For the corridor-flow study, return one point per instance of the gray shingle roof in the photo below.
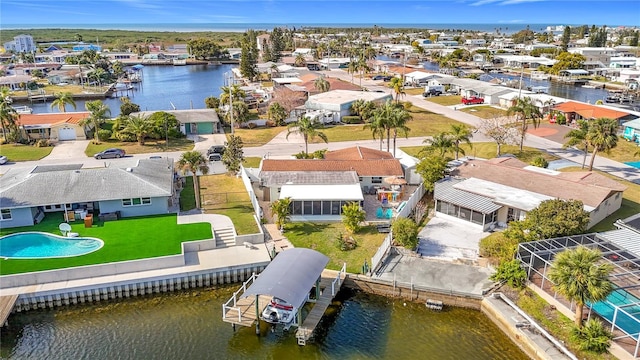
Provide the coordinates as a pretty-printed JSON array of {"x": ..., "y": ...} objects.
[
  {"x": 445, "y": 191},
  {"x": 26, "y": 188}
]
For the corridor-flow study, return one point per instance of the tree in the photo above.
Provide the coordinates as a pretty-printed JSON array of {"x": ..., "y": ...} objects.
[
  {"x": 99, "y": 111},
  {"x": 233, "y": 155},
  {"x": 277, "y": 113},
  {"x": 234, "y": 91},
  {"x": 249, "y": 55},
  {"x": 556, "y": 217},
  {"x": 192, "y": 162},
  {"x": 308, "y": 128},
  {"x": 138, "y": 126},
  {"x": 566, "y": 38},
  {"x": 405, "y": 232},
  {"x": 525, "y": 111},
  {"x": 578, "y": 138},
  {"x": 281, "y": 209},
  {"x": 567, "y": 60},
  {"x": 501, "y": 130},
  {"x": 352, "y": 216},
  {"x": 578, "y": 276},
  {"x": 398, "y": 123},
  {"x": 62, "y": 100},
  {"x": 163, "y": 124},
  {"x": 8, "y": 115},
  {"x": 212, "y": 102},
  {"x": 441, "y": 144},
  {"x": 397, "y": 86},
  {"x": 204, "y": 49},
  {"x": 593, "y": 336},
  {"x": 602, "y": 136},
  {"x": 127, "y": 107},
  {"x": 460, "y": 133},
  {"x": 512, "y": 273},
  {"x": 377, "y": 127},
  {"x": 300, "y": 60},
  {"x": 431, "y": 168},
  {"x": 321, "y": 84},
  {"x": 240, "y": 112}
]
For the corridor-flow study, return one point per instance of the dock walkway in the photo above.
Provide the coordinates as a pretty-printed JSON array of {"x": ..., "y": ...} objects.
[{"x": 6, "y": 306}]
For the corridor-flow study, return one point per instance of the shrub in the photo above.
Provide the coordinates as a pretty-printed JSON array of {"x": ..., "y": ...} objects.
[
  {"x": 104, "y": 134},
  {"x": 352, "y": 216},
  {"x": 351, "y": 119},
  {"x": 561, "y": 119},
  {"x": 270, "y": 123},
  {"x": 498, "y": 247},
  {"x": 539, "y": 161},
  {"x": 593, "y": 336},
  {"x": 405, "y": 232},
  {"x": 252, "y": 125},
  {"x": 346, "y": 242},
  {"x": 43, "y": 143},
  {"x": 319, "y": 154},
  {"x": 512, "y": 273}
]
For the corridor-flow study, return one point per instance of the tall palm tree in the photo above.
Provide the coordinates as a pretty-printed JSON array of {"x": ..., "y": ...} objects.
[
  {"x": 459, "y": 134},
  {"x": 321, "y": 84},
  {"x": 602, "y": 136},
  {"x": 62, "y": 100},
  {"x": 138, "y": 126},
  {"x": 308, "y": 128},
  {"x": 8, "y": 115},
  {"x": 578, "y": 137},
  {"x": 440, "y": 143},
  {"x": 352, "y": 69},
  {"x": 194, "y": 161},
  {"x": 99, "y": 111},
  {"x": 376, "y": 125},
  {"x": 383, "y": 115},
  {"x": 277, "y": 113},
  {"x": 398, "y": 120},
  {"x": 525, "y": 111},
  {"x": 397, "y": 86},
  {"x": 234, "y": 91},
  {"x": 579, "y": 277},
  {"x": 300, "y": 60}
]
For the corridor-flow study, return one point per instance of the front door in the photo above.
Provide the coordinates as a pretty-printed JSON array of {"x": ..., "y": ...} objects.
[{"x": 194, "y": 128}]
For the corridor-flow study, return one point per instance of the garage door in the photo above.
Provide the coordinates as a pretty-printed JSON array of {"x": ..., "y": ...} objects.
[{"x": 66, "y": 134}]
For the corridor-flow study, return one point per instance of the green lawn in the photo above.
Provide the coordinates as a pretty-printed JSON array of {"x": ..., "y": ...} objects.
[
  {"x": 484, "y": 111},
  {"x": 125, "y": 239},
  {"x": 251, "y": 162},
  {"x": 150, "y": 146},
  {"x": 445, "y": 100},
  {"x": 226, "y": 195},
  {"x": 187, "y": 195},
  {"x": 487, "y": 150},
  {"x": 258, "y": 136},
  {"x": 322, "y": 238},
  {"x": 20, "y": 152}
]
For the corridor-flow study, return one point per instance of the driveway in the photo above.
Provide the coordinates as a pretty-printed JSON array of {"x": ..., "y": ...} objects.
[
  {"x": 450, "y": 239},
  {"x": 204, "y": 142},
  {"x": 73, "y": 149}
]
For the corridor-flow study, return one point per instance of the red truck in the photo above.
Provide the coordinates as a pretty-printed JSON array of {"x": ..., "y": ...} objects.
[{"x": 472, "y": 100}]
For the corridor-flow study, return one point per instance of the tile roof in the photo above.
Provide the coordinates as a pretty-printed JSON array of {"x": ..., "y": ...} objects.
[
  {"x": 53, "y": 118},
  {"x": 589, "y": 187},
  {"x": 589, "y": 111},
  {"x": 357, "y": 153},
  {"x": 334, "y": 84},
  {"x": 385, "y": 167}
]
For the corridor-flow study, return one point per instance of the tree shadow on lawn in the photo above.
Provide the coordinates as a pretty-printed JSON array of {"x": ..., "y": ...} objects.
[{"x": 306, "y": 228}]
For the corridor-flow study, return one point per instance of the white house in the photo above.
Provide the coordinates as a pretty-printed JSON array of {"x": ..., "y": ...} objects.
[
  {"x": 339, "y": 102},
  {"x": 21, "y": 43}
]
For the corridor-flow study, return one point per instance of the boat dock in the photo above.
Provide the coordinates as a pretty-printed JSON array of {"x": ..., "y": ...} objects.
[{"x": 6, "y": 307}]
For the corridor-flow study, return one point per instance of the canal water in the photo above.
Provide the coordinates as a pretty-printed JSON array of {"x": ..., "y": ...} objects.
[{"x": 188, "y": 325}]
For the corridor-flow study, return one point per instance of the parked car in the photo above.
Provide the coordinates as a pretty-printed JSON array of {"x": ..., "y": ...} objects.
[
  {"x": 3, "y": 159},
  {"x": 110, "y": 154},
  {"x": 472, "y": 100},
  {"x": 215, "y": 157},
  {"x": 432, "y": 92},
  {"x": 378, "y": 77},
  {"x": 387, "y": 78},
  {"x": 215, "y": 149}
]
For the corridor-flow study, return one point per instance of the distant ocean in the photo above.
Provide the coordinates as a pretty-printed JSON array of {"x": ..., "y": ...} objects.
[{"x": 241, "y": 27}]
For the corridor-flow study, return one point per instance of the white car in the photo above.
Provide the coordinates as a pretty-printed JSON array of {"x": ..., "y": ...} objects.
[{"x": 3, "y": 159}]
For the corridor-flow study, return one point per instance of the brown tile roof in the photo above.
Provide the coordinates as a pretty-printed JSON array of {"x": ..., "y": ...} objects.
[
  {"x": 589, "y": 111},
  {"x": 385, "y": 167},
  {"x": 334, "y": 84},
  {"x": 357, "y": 153},
  {"x": 589, "y": 187},
  {"x": 54, "y": 118}
]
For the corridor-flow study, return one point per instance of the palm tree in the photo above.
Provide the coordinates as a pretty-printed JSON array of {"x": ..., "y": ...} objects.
[
  {"x": 281, "y": 209},
  {"x": 300, "y": 60},
  {"x": 98, "y": 115},
  {"x": 232, "y": 91},
  {"x": 62, "y": 100},
  {"x": 441, "y": 143},
  {"x": 525, "y": 111},
  {"x": 382, "y": 115},
  {"x": 397, "y": 86},
  {"x": 138, "y": 126},
  {"x": 602, "y": 136},
  {"x": 321, "y": 84},
  {"x": 352, "y": 69},
  {"x": 578, "y": 277},
  {"x": 377, "y": 127},
  {"x": 308, "y": 128},
  {"x": 8, "y": 115},
  {"x": 277, "y": 113},
  {"x": 578, "y": 137},
  {"x": 398, "y": 120},
  {"x": 460, "y": 133},
  {"x": 194, "y": 161}
]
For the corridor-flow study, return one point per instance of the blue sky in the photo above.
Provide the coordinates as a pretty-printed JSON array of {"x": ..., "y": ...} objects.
[{"x": 72, "y": 12}]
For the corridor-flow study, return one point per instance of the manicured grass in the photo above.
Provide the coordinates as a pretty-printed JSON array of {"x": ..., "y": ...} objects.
[
  {"x": 258, "y": 136},
  {"x": 445, "y": 100},
  {"x": 20, "y": 152},
  {"x": 226, "y": 195},
  {"x": 150, "y": 146},
  {"x": 623, "y": 152},
  {"x": 485, "y": 111},
  {"x": 323, "y": 238},
  {"x": 487, "y": 150},
  {"x": 414, "y": 91},
  {"x": 125, "y": 239},
  {"x": 187, "y": 195},
  {"x": 251, "y": 162}
]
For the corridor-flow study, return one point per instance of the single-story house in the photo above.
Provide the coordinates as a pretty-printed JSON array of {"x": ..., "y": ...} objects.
[
  {"x": 339, "y": 101},
  {"x": 490, "y": 93},
  {"x": 193, "y": 121},
  {"x": 494, "y": 192},
  {"x": 54, "y": 126},
  {"x": 574, "y": 111},
  {"x": 26, "y": 194},
  {"x": 632, "y": 130},
  {"x": 318, "y": 188},
  {"x": 15, "y": 82},
  {"x": 417, "y": 78}
]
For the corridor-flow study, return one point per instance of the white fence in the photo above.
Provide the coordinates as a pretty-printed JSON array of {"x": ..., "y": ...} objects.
[
  {"x": 249, "y": 187},
  {"x": 412, "y": 202},
  {"x": 382, "y": 252}
]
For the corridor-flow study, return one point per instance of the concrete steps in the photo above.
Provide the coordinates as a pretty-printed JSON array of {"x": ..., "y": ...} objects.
[{"x": 225, "y": 237}]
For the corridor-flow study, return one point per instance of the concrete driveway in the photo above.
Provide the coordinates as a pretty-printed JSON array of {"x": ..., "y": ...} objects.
[
  {"x": 72, "y": 149},
  {"x": 448, "y": 239}
]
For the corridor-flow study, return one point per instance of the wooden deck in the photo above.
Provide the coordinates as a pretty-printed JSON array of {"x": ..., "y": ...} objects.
[
  {"x": 6, "y": 305},
  {"x": 305, "y": 331},
  {"x": 247, "y": 307}
]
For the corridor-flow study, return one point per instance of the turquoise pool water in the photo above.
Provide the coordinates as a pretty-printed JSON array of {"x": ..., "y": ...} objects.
[
  {"x": 635, "y": 164},
  {"x": 629, "y": 320},
  {"x": 39, "y": 245}
]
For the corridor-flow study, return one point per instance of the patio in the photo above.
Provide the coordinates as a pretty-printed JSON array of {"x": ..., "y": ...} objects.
[{"x": 379, "y": 203}]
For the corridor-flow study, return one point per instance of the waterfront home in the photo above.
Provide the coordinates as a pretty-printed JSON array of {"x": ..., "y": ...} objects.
[
  {"x": 54, "y": 126},
  {"x": 632, "y": 131},
  {"x": 490, "y": 193},
  {"x": 26, "y": 194},
  {"x": 338, "y": 102},
  {"x": 15, "y": 82},
  {"x": 574, "y": 111},
  {"x": 193, "y": 121}
]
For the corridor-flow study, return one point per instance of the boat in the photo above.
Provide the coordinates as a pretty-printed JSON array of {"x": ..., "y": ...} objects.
[
  {"x": 539, "y": 75},
  {"x": 540, "y": 89},
  {"x": 179, "y": 62},
  {"x": 279, "y": 312},
  {"x": 22, "y": 110}
]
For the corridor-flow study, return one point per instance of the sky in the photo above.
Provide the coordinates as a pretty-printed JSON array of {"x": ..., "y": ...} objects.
[{"x": 283, "y": 12}]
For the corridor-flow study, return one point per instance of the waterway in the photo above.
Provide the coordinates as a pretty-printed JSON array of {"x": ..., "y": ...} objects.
[{"x": 188, "y": 325}]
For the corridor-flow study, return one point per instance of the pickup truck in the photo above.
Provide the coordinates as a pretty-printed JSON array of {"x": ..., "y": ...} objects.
[{"x": 472, "y": 100}]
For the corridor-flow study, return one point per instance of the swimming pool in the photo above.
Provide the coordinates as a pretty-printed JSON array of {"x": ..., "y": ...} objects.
[
  {"x": 39, "y": 245},
  {"x": 626, "y": 320},
  {"x": 635, "y": 164}
]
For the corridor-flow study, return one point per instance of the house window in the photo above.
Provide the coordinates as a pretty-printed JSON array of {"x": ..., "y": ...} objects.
[
  {"x": 297, "y": 208},
  {"x": 317, "y": 208},
  {"x": 136, "y": 201},
  {"x": 307, "y": 207},
  {"x": 360, "y": 178},
  {"x": 326, "y": 207},
  {"x": 376, "y": 180},
  {"x": 5, "y": 214},
  {"x": 335, "y": 208}
]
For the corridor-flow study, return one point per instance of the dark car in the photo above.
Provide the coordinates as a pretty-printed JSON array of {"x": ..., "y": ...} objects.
[
  {"x": 109, "y": 154},
  {"x": 378, "y": 77},
  {"x": 432, "y": 92},
  {"x": 215, "y": 149},
  {"x": 387, "y": 78}
]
